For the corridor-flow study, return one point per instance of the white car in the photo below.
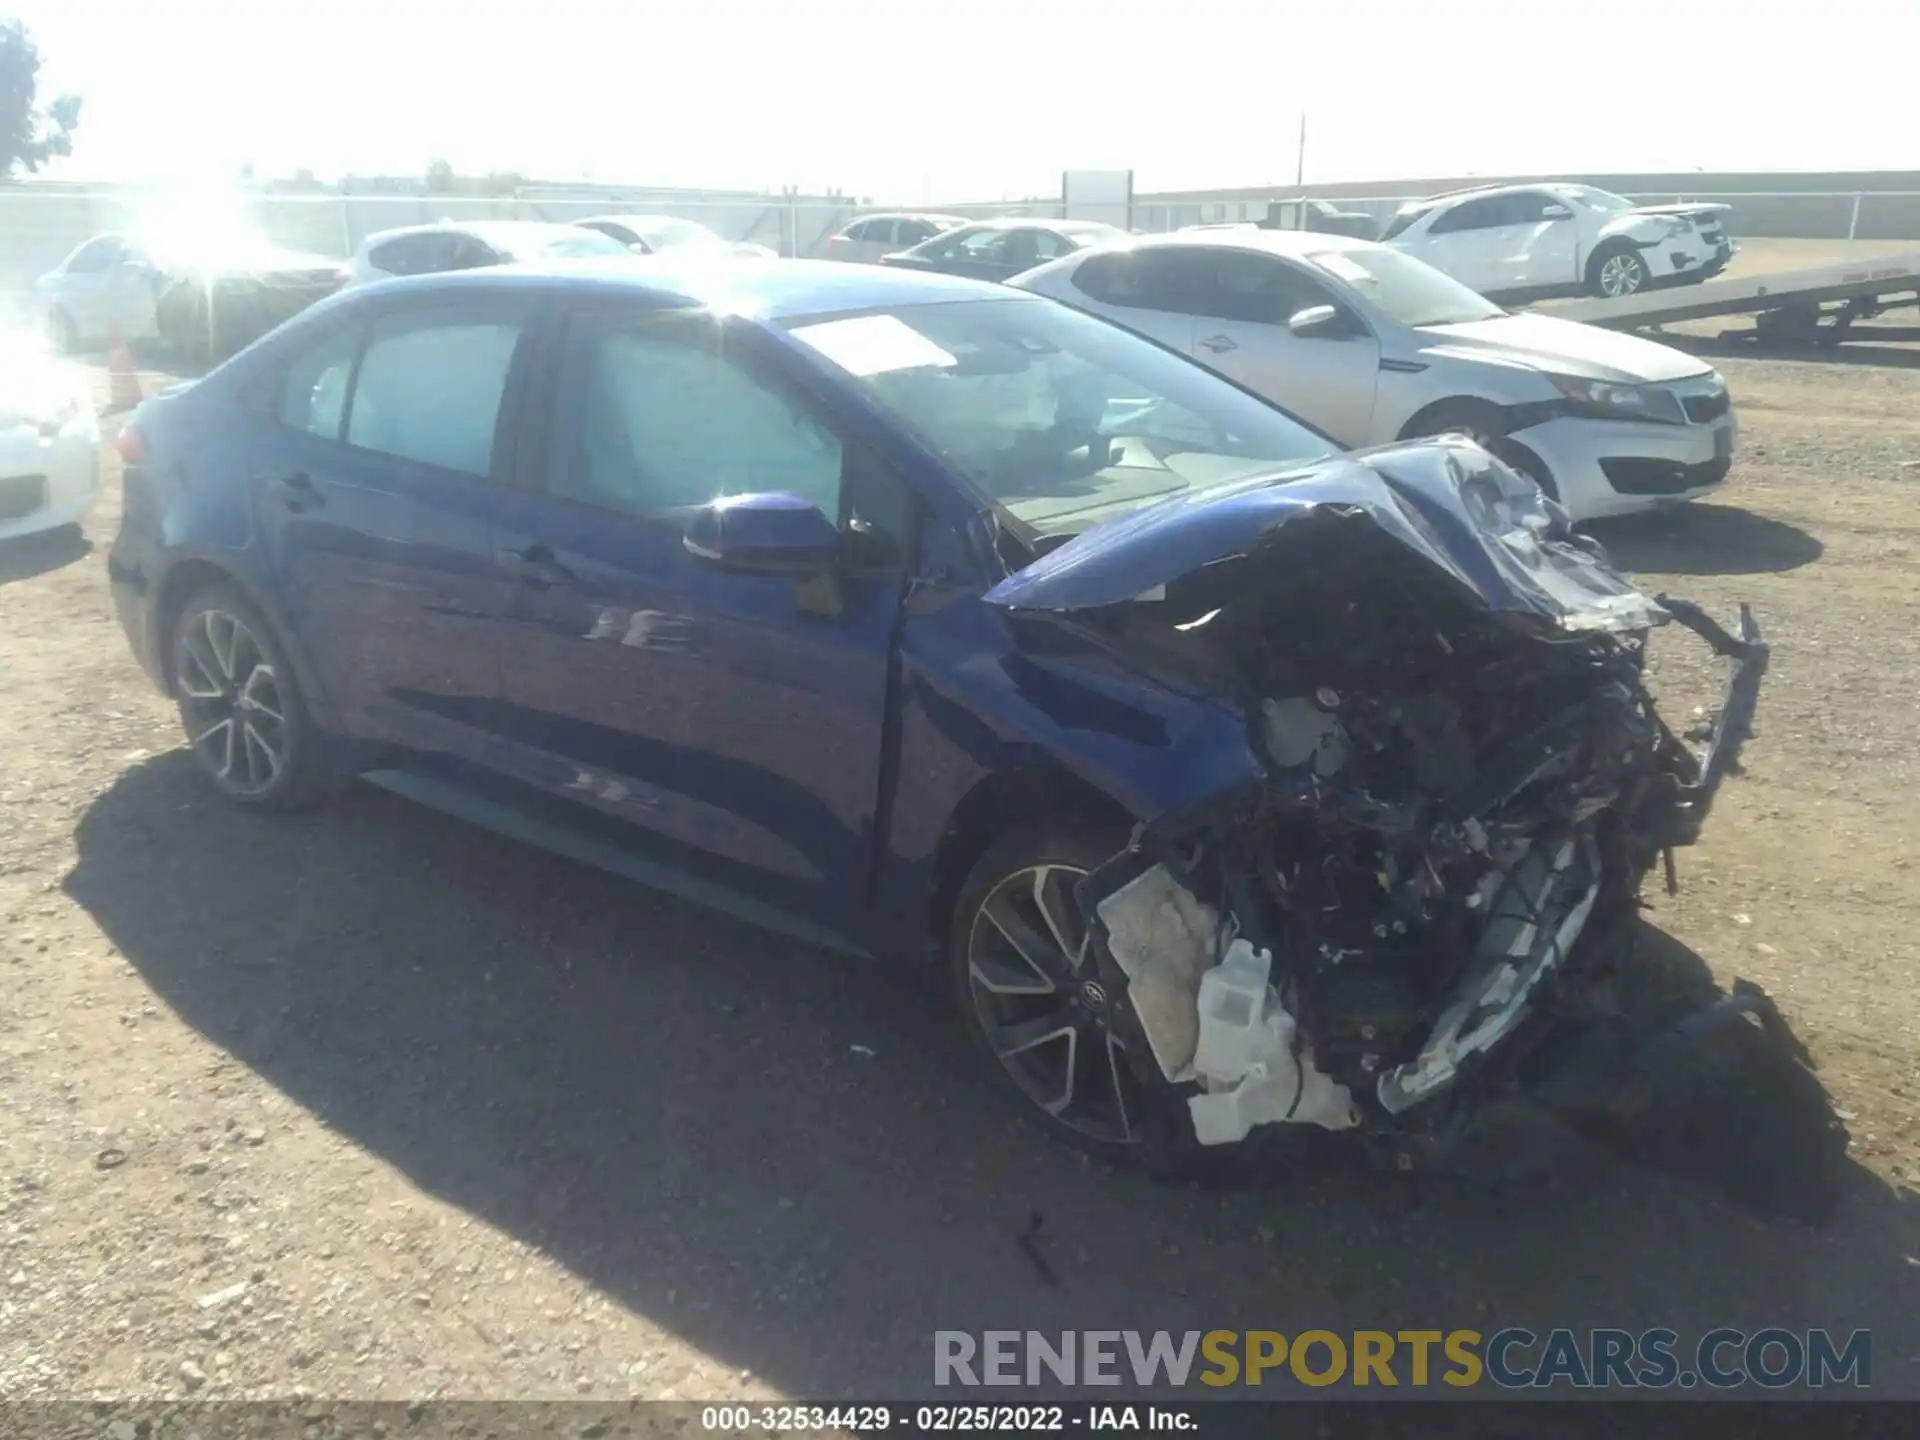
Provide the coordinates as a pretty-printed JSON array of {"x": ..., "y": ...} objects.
[
  {"x": 453, "y": 245},
  {"x": 202, "y": 292},
  {"x": 872, "y": 236},
  {"x": 650, "y": 234},
  {"x": 49, "y": 441},
  {"x": 109, "y": 285},
  {"x": 1545, "y": 238},
  {"x": 1371, "y": 346}
]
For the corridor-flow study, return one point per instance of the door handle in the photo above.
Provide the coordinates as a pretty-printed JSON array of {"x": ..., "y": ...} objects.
[
  {"x": 536, "y": 566},
  {"x": 1219, "y": 344},
  {"x": 298, "y": 492}
]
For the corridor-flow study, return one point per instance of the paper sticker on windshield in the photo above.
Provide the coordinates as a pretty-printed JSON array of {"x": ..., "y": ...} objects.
[
  {"x": 1346, "y": 268},
  {"x": 873, "y": 345}
]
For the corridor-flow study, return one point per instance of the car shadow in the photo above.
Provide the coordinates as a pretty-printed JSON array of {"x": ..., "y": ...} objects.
[
  {"x": 1701, "y": 539},
  {"x": 787, "y": 1157},
  {"x": 28, "y": 556}
]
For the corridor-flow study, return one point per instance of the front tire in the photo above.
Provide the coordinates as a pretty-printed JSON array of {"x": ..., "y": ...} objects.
[
  {"x": 1029, "y": 993},
  {"x": 240, "y": 704},
  {"x": 1486, "y": 426},
  {"x": 1616, "y": 271}
]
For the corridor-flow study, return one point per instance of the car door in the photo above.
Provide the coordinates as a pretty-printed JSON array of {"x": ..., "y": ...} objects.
[
  {"x": 84, "y": 286},
  {"x": 375, "y": 501},
  {"x": 1327, "y": 380},
  {"x": 129, "y": 294},
  {"x": 1463, "y": 241},
  {"x": 726, "y": 725},
  {"x": 1539, "y": 243}
]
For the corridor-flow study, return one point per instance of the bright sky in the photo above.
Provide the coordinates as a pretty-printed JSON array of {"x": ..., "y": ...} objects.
[{"x": 976, "y": 99}]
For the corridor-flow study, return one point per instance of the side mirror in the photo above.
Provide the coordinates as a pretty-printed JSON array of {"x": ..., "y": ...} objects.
[
  {"x": 1556, "y": 212},
  {"x": 771, "y": 533},
  {"x": 1322, "y": 322}
]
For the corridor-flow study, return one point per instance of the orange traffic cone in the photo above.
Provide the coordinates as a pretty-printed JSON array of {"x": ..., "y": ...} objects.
[{"x": 123, "y": 381}]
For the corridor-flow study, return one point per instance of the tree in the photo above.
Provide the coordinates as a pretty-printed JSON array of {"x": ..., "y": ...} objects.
[
  {"x": 440, "y": 178},
  {"x": 29, "y": 136}
]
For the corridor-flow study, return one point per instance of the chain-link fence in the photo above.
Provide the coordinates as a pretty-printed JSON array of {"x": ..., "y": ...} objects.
[{"x": 41, "y": 225}]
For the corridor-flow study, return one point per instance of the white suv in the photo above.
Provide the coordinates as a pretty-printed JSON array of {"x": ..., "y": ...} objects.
[{"x": 1561, "y": 237}]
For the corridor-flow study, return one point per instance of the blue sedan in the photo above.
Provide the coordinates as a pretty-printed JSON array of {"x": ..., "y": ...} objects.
[{"x": 868, "y": 605}]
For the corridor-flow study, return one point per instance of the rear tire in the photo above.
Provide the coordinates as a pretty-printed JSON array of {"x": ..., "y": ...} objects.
[
  {"x": 246, "y": 722},
  {"x": 1616, "y": 270}
]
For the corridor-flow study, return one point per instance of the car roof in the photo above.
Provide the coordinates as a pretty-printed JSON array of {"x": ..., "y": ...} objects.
[
  {"x": 1043, "y": 222},
  {"x": 761, "y": 289},
  {"x": 503, "y": 231},
  {"x": 907, "y": 215},
  {"x": 1294, "y": 244},
  {"x": 637, "y": 217}
]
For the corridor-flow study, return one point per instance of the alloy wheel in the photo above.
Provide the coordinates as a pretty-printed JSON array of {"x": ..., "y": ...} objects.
[
  {"x": 1621, "y": 275},
  {"x": 232, "y": 703},
  {"x": 1042, "y": 1007}
]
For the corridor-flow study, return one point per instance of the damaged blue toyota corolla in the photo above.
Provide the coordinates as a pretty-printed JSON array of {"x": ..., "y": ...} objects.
[{"x": 1238, "y": 785}]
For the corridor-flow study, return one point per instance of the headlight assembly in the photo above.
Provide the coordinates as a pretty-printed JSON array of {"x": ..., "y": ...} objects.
[{"x": 1605, "y": 400}]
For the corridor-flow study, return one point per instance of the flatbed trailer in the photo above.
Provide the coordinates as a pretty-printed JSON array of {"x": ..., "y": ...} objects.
[{"x": 1815, "y": 306}]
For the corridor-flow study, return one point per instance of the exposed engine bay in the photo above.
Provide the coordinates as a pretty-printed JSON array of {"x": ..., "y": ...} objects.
[{"x": 1465, "y": 782}]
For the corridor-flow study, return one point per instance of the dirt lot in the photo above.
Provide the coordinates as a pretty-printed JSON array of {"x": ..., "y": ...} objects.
[{"x": 371, "y": 1104}]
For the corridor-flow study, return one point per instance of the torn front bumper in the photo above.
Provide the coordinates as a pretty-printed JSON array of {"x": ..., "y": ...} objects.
[{"x": 1734, "y": 722}]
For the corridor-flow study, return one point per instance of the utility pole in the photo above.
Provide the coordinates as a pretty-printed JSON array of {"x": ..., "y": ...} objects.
[{"x": 1300, "y": 167}]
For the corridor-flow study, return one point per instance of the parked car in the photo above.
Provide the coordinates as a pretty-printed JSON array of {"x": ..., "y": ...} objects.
[
  {"x": 49, "y": 440},
  {"x": 1001, "y": 249},
  {"x": 1321, "y": 216},
  {"x": 648, "y": 234},
  {"x": 451, "y": 245},
  {"x": 872, "y": 236},
  {"x": 931, "y": 619},
  {"x": 1546, "y": 239},
  {"x": 1372, "y": 345},
  {"x": 201, "y": 295}
]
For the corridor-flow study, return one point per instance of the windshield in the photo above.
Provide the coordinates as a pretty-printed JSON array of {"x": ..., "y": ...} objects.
[
  {"x": 1604, "y": 201},
  {"x": 1060, "y": 419},
  {"x": 1405, "y": 289}
]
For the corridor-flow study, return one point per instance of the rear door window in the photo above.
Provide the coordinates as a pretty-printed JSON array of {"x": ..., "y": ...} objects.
[
  {"x": 1482, "y": 214},
  {"x": 313, "y": 396},
  {"x": 404, "y": 255},
  {"x": 430, "y": 385},
  {"x": 1169, "y": 278}
]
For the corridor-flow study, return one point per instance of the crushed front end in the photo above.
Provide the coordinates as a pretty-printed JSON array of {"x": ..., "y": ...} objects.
[{"x": 1465, "y": 784}]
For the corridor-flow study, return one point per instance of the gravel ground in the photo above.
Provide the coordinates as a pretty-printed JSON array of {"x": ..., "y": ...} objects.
[{"x": 369, "y": 1104}]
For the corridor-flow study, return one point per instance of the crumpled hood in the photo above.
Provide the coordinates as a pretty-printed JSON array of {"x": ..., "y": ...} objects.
[
  {"x": 1452, "y": 505},
  {"x": 1696, "y": 210},
  {"x": 1564, "y": 347}
]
